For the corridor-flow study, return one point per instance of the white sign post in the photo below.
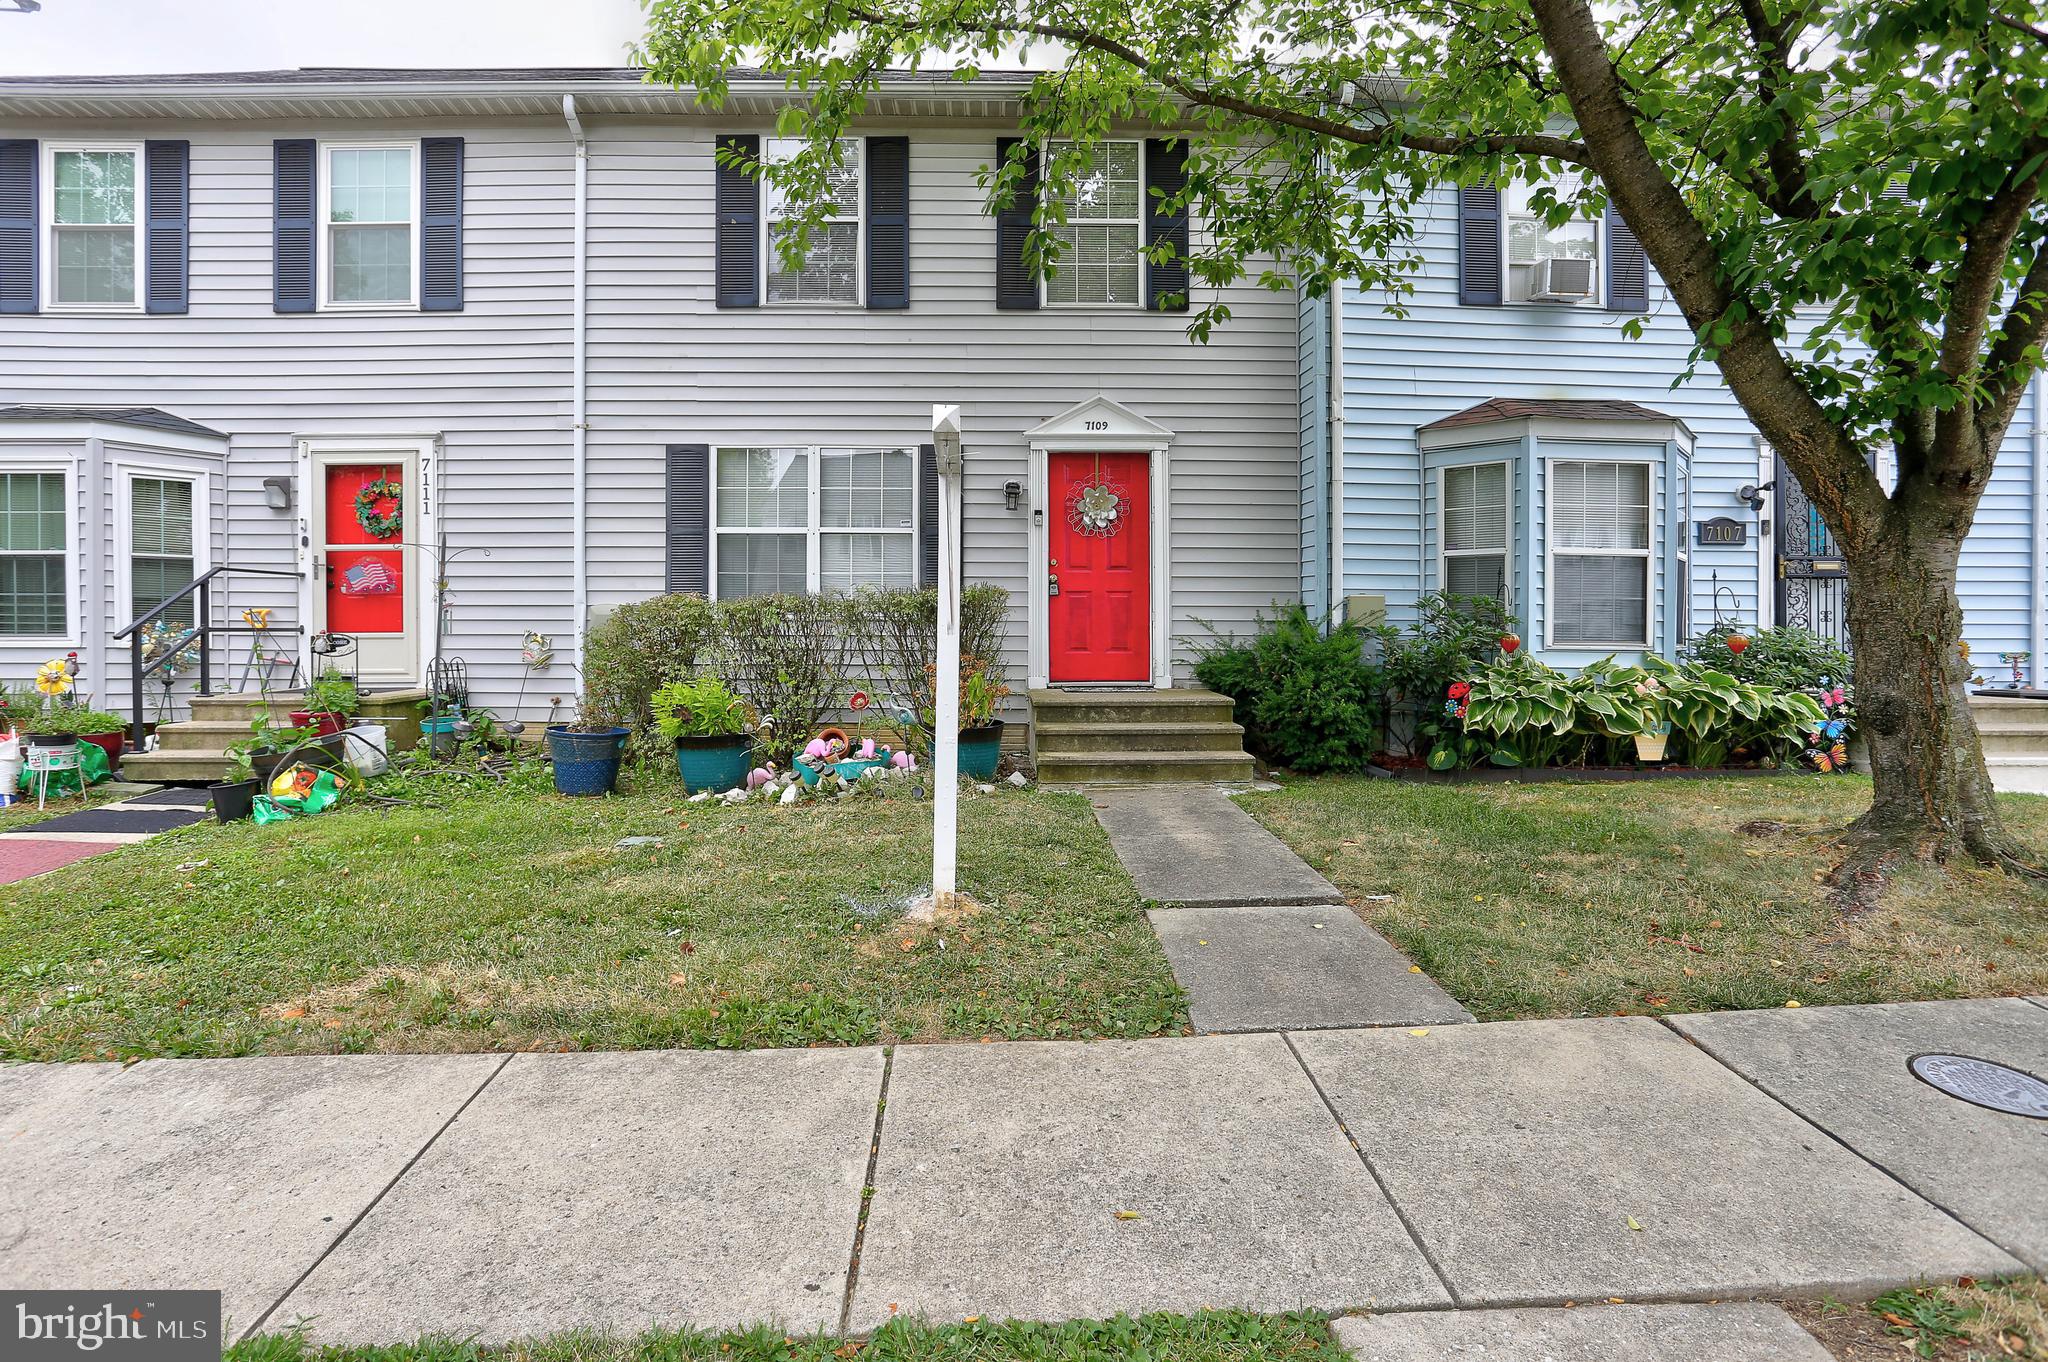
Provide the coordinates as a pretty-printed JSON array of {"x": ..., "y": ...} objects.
[{"x": 946, "y": 726}]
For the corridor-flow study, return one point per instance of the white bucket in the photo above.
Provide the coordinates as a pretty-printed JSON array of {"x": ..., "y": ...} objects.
[{"x": 366, "y": 745}]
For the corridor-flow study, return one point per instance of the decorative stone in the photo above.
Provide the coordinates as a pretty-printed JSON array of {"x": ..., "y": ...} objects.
[
  {"x": 641, "y": 842},
  {"x": 985, "y": 789},
  {"x": 789, "y": 795},
  {"x": 1019, "y": 779}
]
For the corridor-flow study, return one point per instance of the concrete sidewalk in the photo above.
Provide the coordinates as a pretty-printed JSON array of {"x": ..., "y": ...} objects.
[{"x": 1521, "y": 1164}]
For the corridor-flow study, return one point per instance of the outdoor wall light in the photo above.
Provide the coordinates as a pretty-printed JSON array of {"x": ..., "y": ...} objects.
[
  {"x": 1753, "y": 495},
  {"x": 1011, "y": 492},
  {"x": 277, "y": 493}
]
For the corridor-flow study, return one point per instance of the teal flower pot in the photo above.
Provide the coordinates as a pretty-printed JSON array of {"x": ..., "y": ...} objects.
[
  {"x": 980, "y": 748},
  {"x": 715, "y": 763}
]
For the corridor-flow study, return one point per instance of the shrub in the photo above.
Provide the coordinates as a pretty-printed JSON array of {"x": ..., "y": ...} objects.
[
  {"x": 1307, "y": 700},
  {"x": 703, "y": 708},
  {"x": 786, "y": 656},
  {"x": 636, "y": 650},
  {"x": 1451, "y": 636},
  {"x": 894, "y": 651},
  {"x": 1788, "y": 657}
]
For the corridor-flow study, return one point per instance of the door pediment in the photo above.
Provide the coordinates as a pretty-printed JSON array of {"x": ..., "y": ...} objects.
[{"x": 1097, "y": 421}]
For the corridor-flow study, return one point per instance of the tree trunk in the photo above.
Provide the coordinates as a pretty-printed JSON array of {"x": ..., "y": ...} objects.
[{"x": 1932, "y": 797}]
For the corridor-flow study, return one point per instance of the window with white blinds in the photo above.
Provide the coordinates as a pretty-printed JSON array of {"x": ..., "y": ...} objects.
[
  {"x": 1474, "y": 548},
  {"x": 160, "y": 558},
  {"x": 1599, "y": 535},
  {"x": 809, "y": 519},
  {"x": 35, "y": 596}
]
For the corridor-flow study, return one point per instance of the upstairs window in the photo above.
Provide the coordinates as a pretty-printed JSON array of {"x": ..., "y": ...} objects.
[
  {"x": 34, "y": 597},
  {"x": 370, "y": 215},
  {"x": 810, "y": 519},
  {"x": 1549, "y": 264},
  {"x": 94, "y": 197},
  {"x": 160, "y": 559},
  {"x": 1599, "y": 588},
  {"x": 831, "y": 269},
  {"x": 1100, "y": 227},
  {"x": 1475, "y": 530}
]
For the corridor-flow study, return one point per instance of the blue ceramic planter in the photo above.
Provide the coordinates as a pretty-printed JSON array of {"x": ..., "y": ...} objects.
[
  {"x": 586, "y": 763},
  {"x": 716, "y": 764},
  {"x": 980, "y": 748}
]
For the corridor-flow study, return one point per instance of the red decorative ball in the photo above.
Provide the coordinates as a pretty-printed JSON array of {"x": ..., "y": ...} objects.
[
  {"x": 858, "y": 700},
  {"x": 1737, "y": 643},
  {"x": 1510, "y": 642}
]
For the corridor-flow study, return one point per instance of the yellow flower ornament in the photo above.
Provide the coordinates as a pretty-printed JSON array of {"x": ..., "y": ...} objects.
[
  {"x": 257, "y": 617},
  {"x": 53, "y": 677}
]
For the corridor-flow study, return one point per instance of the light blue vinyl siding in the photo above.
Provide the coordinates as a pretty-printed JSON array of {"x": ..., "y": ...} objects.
[{"x": 1314, "y": 385}]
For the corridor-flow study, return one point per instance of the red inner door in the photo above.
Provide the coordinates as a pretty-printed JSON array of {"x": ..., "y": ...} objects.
[
  {"x": 365, "y": 571},
  {"x": 1101, "y": 558}
]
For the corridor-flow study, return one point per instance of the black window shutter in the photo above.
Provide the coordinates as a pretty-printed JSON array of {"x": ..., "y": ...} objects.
[
  {"x": 689, "y": 518},
  {"x": 1166, "y": 173},
  {"x": 927, "y": 515},
  {"x": 441, "y": 224},
  {"x": 737, "y": 201},
  {"x": 167, "y": 209},
  {"x": 18, "y": 224},
  {"x": 292, "y": 239},
  {"x": 1479, "y": 244},
  {"x": 888, "y": 222},
  {"x": 1628, "y": 268},
  {"x": 1016, "y": 283}
]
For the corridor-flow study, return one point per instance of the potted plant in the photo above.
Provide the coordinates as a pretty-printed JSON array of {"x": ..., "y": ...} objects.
[
  {"x": 330, "y": 702},
  {"x": 235, "y": 796},
  {"x": 708, "y": 725},
  {"x": 981, "y": 733},
  {"x": 585, "y": 757},
  {"x": 269, "y": 745},
  {"x": 108, "y": 732}
]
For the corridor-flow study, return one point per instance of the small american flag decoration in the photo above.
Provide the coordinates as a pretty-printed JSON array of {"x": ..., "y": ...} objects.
[{"x": 368, "y": 578}]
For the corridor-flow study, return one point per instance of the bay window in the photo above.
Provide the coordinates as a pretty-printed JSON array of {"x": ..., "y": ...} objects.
[
  {"x": 370, "y": 218},
  {"x": 35, "y": 595},
  {"x": 831, "y": 269},
  {"x": 1599, "y": 534},
  {"x": 1099, "y": 225},
  {"x": 812, "y": 518},
  {"x": 1474, "y": 539},
  {"x": 95, "y": 194}
]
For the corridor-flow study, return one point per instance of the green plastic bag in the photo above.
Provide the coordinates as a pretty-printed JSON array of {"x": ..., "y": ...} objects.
[
  {"x": 92, "y": 764},
  {"x": 311, "y": 791}
]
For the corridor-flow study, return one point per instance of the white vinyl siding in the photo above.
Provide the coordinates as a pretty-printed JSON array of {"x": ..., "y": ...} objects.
[
  {"x": 831, "y": 272},
  {"x": 1531, "y": 240},
  {"x": 369, "y": 215},
  {"x": 1599, "y": 536},
  {"x": 812, "y": 519},
  {"x": 1475, "y": 530},
  {"x": 94, "y": 206},
  {"x": 161, "y": 559},
  {"x": 1100, "y": 228},
  {"x": 35, "y": 594}
]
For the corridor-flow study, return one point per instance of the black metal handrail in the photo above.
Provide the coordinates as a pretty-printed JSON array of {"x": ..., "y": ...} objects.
[{"x": 204, "y": 629}]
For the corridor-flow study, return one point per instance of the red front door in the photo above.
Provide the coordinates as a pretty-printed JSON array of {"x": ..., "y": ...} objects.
[{"x": 1099, "y": 573}]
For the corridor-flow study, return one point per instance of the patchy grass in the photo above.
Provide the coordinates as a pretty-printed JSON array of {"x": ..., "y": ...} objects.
[
  {"x": 1212, "y": 1336},
  {"x": 1967, "y": 1322},
  {"x": 1553, "y": 900},
  {"x": 509, "y": 920}
]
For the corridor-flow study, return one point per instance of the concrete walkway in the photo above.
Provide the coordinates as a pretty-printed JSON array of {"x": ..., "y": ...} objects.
[
  {"x": 1485, "y": 1167},
  {"x": 1257, "y": 939},
  {"x": 37, "y": 848}
]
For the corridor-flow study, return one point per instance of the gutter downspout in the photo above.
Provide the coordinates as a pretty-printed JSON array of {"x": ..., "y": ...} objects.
[
  {"x": 579, "y": 418},
  {"x": 1334, "y": 530},
  {"x": 2037, "y": 609}
]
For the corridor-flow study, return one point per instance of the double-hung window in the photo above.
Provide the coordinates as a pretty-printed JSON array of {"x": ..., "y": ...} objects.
[
  {"x": 811, "y": 518},
  {"x": 1599, "y": 588},
  {"x": 35, "y": 594},
  {"x": 95, "y": 196},
  {"x": 369, "y": 215},
  {"x": 1551, "y": 264},
  {"x": 1475, "y": 530},
  {"x": 1099, "y": 226},
  {"x": 831, "y": 269},
  {"x": 160, "y": 556}
]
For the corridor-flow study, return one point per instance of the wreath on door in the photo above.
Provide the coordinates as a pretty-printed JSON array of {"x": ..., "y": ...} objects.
[{"x": 377, "y": 523}]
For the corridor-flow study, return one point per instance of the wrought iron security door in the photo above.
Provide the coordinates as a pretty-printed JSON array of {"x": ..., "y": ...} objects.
[{"x": 1813, "y": 577}]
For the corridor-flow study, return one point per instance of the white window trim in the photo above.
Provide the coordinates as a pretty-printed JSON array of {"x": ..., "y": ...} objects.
[
  {"x": 1506, "y": 552},
  {"x": 1137, "y": 304},
  {"x": 815, "y": 529},
  {"x": 1596, "y": 301},
  {"x": 771, "y": 203},
  {"x": 48, "y": 243},
  {"x": 1551, "y": 553},
  {"x": 74, "y": 598},
  {"x": 323, "y": 247},
  {"x": 125, "y": 474}
]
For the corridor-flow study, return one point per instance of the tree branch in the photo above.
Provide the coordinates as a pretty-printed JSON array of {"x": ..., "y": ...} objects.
[
  {"x": 1792, "y": 196},
  {"x": 2007, "y": 368}
]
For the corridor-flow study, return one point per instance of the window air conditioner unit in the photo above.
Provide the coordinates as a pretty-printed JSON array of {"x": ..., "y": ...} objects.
[{"x": 1562, "y": 279}]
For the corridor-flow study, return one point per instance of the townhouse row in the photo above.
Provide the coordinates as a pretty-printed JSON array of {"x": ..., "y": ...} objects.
[{"x": 433, "y": 360}]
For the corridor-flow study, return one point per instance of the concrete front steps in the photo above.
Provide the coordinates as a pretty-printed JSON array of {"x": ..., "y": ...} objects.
[
  {"x": 194, "y": 751},
  {"x": 2014, "y": 733},
  {"x": 1137, "y": 737}
]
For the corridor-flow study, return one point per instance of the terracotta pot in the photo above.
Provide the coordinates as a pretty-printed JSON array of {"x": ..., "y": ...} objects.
[
  {"x": 319, "y": 719},
  {"x": 110, "y": 743}
]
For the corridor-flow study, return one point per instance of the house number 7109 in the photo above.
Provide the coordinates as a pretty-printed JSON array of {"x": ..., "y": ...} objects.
[{"x": 1095, "y": 425}]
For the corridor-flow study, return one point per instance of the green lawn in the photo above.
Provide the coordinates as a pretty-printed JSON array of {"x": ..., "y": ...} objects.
[
  {"x": 509, "y": 920},
  {"x": 1556, "y": 900},
  {"x": 1212, "y": 1336}
]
